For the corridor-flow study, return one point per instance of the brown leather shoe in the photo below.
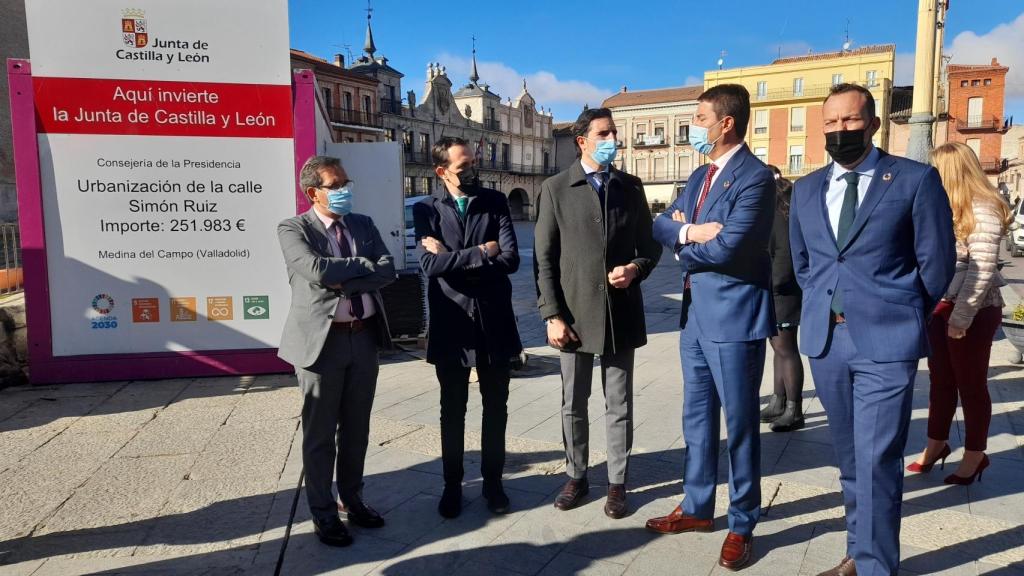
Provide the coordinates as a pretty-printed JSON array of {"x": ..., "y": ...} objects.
[
  {"x": 615, "y": 505},
  {"x": 846, "y": 567},
  {"x": 572, "y": 494},
  {"x": 677, "y": 522},
  {"x": 735, "y": 551}
]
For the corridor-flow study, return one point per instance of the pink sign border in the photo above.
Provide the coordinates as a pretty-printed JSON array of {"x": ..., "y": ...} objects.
[{"x": 44, "y": 367}]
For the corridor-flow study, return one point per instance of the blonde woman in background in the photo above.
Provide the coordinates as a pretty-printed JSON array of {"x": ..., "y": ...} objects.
[{"x": 965, "y": 321}]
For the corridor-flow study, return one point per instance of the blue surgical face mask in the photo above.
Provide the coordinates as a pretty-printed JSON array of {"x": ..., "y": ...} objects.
[
  {"x": 699, "y": 138},
  {"x": 339, "y": 200},
  {"x": 604, "y": 153}
]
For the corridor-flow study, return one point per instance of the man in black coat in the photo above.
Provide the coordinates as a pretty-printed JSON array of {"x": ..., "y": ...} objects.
[
  {"x": 593, "y": 247},
  {"x": 469, "y": 250}
]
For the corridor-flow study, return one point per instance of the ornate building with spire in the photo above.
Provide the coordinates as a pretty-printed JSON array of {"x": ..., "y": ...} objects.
[{"x": 512, "y": 139}]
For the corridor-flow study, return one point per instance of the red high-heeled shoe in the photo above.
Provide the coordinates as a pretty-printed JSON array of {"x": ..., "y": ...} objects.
[
  {"x": 915, "y": 467},
  {"x": 962, "y": 481}
]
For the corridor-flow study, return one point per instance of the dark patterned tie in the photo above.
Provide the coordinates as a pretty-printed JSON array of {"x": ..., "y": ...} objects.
[
  {"x": 346, "y": 252},
  {"x": 846, "y": 217},
  {"x": 599, "y": 182}
]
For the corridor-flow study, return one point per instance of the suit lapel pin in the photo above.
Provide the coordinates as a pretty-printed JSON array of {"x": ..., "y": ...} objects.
[
  {"x": 887, "y": 176},
  {"x": 726, "y": 184}
]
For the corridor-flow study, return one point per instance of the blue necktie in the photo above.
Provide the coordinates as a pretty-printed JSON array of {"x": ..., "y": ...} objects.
[{"x": 461, "y": 203}]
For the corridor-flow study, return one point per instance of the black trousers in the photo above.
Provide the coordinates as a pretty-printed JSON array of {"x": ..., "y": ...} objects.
[{"x": 454, "y": 381}]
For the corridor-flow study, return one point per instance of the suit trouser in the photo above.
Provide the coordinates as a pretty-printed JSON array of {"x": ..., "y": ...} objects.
[
  {"x": 337, "y": 399},
  {"x": 454, "y": 381},
  {"x": 617, "y": 382},
  {"x": 868, "y": 407},
  {"x": 719, "y": 375}
]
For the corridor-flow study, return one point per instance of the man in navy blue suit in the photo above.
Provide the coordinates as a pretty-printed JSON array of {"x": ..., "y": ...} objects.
[
  {"x": 719, "y": 229},
  {"x": 873, "y": 250}
]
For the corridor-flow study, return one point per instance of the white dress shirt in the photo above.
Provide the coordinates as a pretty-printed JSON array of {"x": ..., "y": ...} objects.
[
  {"x": 837, "y": 186},
  {"x": 344, "y": 311},
  {"x": 721, "y": 162}
]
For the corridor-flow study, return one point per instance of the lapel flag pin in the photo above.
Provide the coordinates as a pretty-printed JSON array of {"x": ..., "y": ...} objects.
[
  {"x": 887, "y": 176},
  {"x": 726, "y": 184}
]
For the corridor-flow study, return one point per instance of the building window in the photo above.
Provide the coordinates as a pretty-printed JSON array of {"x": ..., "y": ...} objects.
[
  {"x": 426, "y": 185},
  {"x": 872, "y": 78},
  {"x": 975, "y": 145},
  {"x": 641, "y": 167},
  {"x": 963, "y": 83},
  {"x": 796, "y": 119},
  {"x": 796, "y": 159},
  {"x": 327, "y": 96},
  {"x": 683, "y": 136},
  {"x": 407, "y": 140},
  {"x": 389, "y": 135},
  {"x": 762, "y": 89},
  {"x": 762, "y": 154},
  {"x": 975, "y": 111},
  {"x": 410, "y": 189},
  {"x": 798, "y": 86},
  {"x": 348, "y": 100},
  {"x": 760, "y": 121},
  {"x": 367, "y": 104},
  {"x": 659, "y": 130},
  {"x": 988, "y": 81},
  {"x": 975, "y": 82},
  {"x": 424, "y": 143},
  {"x": 837, "y": 79}
]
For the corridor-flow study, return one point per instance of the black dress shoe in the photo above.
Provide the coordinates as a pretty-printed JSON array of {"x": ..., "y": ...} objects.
[
  {"x": 332, "y": 532},
  {"x": 792, "y": 419},
  {"x": 450, "y": 505},
  {"x": 497, "y": 500},
  {"x": 572, "y": 494},
  {"x": 362, "y": 515}
]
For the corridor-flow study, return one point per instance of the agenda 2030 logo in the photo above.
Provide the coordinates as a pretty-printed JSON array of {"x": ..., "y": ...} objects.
[
  {"x": 103, "y": 304},
  {"x": 134, "y": 31}
]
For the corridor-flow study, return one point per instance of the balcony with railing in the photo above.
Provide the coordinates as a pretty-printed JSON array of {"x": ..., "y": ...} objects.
[
  {"x": 492, "y": 124},
  {"x": 356, "y": 117},
  {"x": 798, "y": 169},
  {"x": 389, "y": 106},
  {"x": 668, "y": 175},
  {"x": 650, "y": 141},
  {"x": 996, "y": 166},
  {"x": 682, "y": 140},
  {"x": 982, "y": 124},
  {"x": 417, "y": 157},
  {"x": 532, "y": 169},
  {"x": 817, "y": 91}
]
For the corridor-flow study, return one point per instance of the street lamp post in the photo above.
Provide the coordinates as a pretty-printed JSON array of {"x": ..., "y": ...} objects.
[{"x": 922, "y": 117}]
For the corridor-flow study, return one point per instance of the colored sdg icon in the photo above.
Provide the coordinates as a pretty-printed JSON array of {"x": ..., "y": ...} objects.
[
  {"x": 256, "y": 307},
  {"x": 219, "y": 308},
  {"x": 145, "y": 310},
  {"x": 183, "y": 309}
]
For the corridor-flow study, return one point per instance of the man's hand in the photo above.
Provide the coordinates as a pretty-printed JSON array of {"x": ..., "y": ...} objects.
[
  {"x": 622, "y": 276},
  {"x": 703, "y": 233},
  {"x": 492, "y": 249},
  {"x": 678, "y": 216},
  {"x": 955, "y": 333},
  {"x": 559, "y": 333},
  {"x": 432, "y": 245}
]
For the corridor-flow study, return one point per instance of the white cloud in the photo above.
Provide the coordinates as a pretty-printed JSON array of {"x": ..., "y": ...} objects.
[
  {"x": 904, "y": 69},
  {"x": 1005, "y": 42},
  {"x": 505, "y": 81}
]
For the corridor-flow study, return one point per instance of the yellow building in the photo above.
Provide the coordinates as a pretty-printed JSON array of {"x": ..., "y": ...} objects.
[{"x": 786, "y": 96}]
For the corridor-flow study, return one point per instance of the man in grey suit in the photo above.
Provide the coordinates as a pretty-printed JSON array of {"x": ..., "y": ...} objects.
[
  {"x": 593, "y": 245},
  {"x": 337, "y": 262}
]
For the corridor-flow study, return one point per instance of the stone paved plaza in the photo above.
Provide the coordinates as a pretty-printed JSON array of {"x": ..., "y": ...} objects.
[{"x": 203, "y": 476}]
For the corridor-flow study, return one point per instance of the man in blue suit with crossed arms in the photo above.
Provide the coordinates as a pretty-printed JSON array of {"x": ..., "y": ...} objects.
[
  {"x": 719, "y": 229},
  {"x": 873, "y": 250}
]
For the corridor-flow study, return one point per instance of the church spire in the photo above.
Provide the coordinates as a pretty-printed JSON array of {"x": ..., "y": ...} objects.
[
  {"x": 474, "y": 77},
  {"x": 368, "y": 47}
]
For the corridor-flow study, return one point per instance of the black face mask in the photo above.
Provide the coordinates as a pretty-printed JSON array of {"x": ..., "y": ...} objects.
[
  {"x": 469, "y": 178},
  {"x": 845, "y": 146}
]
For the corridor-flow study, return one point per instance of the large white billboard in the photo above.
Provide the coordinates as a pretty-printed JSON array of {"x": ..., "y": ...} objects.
[{"x": 166, "y": 153}]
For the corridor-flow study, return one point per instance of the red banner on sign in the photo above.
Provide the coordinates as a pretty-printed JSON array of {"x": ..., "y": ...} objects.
[{"x": 159, "y": 108}]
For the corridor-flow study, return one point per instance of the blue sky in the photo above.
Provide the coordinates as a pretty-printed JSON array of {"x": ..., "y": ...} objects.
[{"x": 569, "y": 58}]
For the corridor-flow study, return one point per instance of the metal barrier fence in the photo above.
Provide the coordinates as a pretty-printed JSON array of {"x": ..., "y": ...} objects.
[{"x": 11, "y": 276}]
